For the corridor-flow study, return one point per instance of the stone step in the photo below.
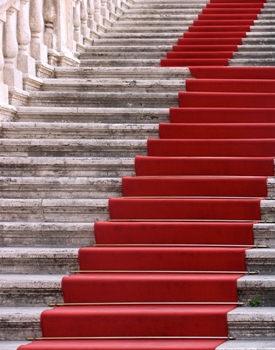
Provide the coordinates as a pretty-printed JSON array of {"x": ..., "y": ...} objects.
[
  {"x": 76, "y": 210},
  {"x": 144, "y": 35},
  {"x": 31, "y": 130},
  {"x": 135, "y": 42},
  {"x": 252, "y": 323},
  {"x": 157, "y": 22},
  {"x": 42, "y": 261},
  {"x": 12, "y": 345},
  {"x": 122, "y": 62},
  {"x": 71, "y": 187},
  {"x": 156, "y": 55},
  {"x": 130, "y": 48},
  {"x": 103, "y": 99},
  {"x": 41, "y": 290},
  {"x": 21, "y": 322},
  {"x": 254, "y": 55},
  {"x": 67, "y": 166},
  {"x": 50, "y": 234},
  {"x": 47, "y": 234},
  {"x": 257, "y": 290},
  {"x": 153, "y": 7},
  {"x": 263, "y": 41},
  {"x": 191, "y": 16},
  {"x": 117, "y": 28},
  {"x": 53, "y": 210},
  {"x": 72, "y": 147},
  {"x": 30, "y": 290},
  {"x": 115, "y": 84},
  {"x": 18, "y": 323},
  {"x": 175, "y": 10},
  {"x": 249, "y": 344},
  {"x": 93, "y": 115},
  {"x": 121, "y": 72},
  {"x": 34, "y": 260},
  {"x": 59, "y": 187},
  {"x": 252, "y": 62},
  {"x": 256, "y": 48}
]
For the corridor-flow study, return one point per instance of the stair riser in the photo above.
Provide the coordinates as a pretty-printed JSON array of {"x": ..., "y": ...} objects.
[
  {"x": 76, "y": 235},
  {"x": 150, "y": 100},
  {"x": 62, "y": 265},
  {"x": 158, "y": 73},
  {"x": 47, "y": 210},
  {"x": 85, "y": 213},
  {"x": 252, "y": 328},
  {"x": 19, "y": 330},
  {"x": 49, "y": 294},
  {"x": 80, "y": 133},
  {"x": 59, "y": 188},
  {"x": 90, "y": 115},
  {"x": 121, "y": 63},
  {"x": 117, "y": 86}
]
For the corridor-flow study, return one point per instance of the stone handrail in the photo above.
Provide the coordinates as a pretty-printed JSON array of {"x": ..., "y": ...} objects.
[{"x": 37, "y": 35}]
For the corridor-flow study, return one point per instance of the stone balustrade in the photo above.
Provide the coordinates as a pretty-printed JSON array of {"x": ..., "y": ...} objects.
[{"x": 37, "y": 35}]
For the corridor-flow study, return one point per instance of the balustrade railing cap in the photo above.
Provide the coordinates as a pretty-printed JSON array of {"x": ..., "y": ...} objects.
[{"x": 5, "y": 4}]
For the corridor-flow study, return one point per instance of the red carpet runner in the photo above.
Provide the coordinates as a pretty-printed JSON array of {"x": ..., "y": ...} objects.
[{"x": 167, "y": 262}]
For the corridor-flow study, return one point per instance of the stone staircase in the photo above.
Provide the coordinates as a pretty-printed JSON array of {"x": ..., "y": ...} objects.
[{"x": 65, "y": 155}]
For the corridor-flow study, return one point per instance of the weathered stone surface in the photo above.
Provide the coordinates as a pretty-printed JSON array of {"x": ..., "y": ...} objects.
[{"x": 252, "y": 322}]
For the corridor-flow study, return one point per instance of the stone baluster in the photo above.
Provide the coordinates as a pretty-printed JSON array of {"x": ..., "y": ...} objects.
[
  {"x": 98, "y": 16},
  {"x": 91, "y": 20},
  {"x": 12, "y": 76},
  {"x": 39, "y": 50},
  {"x": 77, "y": 23},
  {"x": 4, "y": 91},
  {"x": 85, "y": 30},
  {"x": 49, "y": 15},
  {"x": 25, "y": 62},
  {"x": 104, "y": 10}
]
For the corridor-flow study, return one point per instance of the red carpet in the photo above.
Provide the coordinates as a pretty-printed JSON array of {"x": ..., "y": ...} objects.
[
  {"x": 173, "y": 233},
  {"x": 166, "y": 264}
]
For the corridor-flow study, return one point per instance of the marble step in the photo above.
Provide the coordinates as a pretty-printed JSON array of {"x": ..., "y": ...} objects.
[
  {"x": 262, "y": 41},
  {"x": 60, "y": 187},
  {"x": 135, "y": 42},
  {"x": 252, "y": 323},
  {"x": 76, "y": 210},
  {"x": 245, "y": 323},
  {"x": 53, "y": 210},
  {"x": 255, "y": 55},
  {"x": 250, "y": 344},
  {"x": 72, "y": 147},
  {"x": 175, "y": 10},
  {"x": 114, "y": 84},
  {"x": 38, "y": 260},
  {"x": 117, "y": 28},
  {"x": 18, "y": 323},
  {"x": 252, "y": 62},
  {"x": 256, "y": 48},
  {"x": 67, "y": 166},
  {"x": 103, "y": 99},
  {"x": 177, "y": 18},
  {"x": 130, "y": 48},
  {"x": 49, "y": 234},
  {"x": 38, "y": 130},
  {"x": 93, "y": 115},
  {"x": 150, "y": 34},
  {"x": 156, "y": 55},
  {"x": 41, "y": 290},
  {"x": 113, "y": 62},
  {"x": 72, "y": 187},
  {"x": 88, "y": 72},
  {"x": 12, "y": 345},
  {"x": 60, "y": 235},
  {"x": 156, "y": 22}
]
